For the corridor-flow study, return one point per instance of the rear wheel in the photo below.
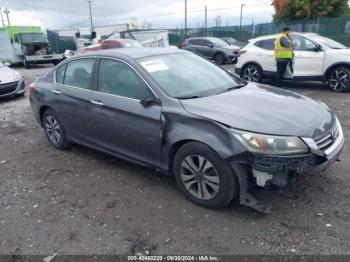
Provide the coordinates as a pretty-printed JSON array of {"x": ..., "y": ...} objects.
[
  {"x": 54, "y": 130},
  {"x": 339, "y": 79},
  {"x": 203, "y": 176},
  {"x": 219, "y": 59},
  {"x": 252, "y": 73}
]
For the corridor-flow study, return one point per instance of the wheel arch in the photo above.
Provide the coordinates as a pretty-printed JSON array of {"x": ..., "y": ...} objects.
[
  {"x": 333, "y": 66},
  {"x": 42, "y": 110}
]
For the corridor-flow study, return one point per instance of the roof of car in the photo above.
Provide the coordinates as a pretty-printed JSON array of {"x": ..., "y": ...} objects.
[
  {"x": 275, "y": 35},
  {"x": 135, "y": 53}
]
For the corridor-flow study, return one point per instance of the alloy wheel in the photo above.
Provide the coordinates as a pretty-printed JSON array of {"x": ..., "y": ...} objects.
[
  {"x": 219, "y": 59},
  {"x": 52, "y": 129},
  {"x": 251, "y": 74},
  {"x": 199, "y": 177},
  {"x": 339, "y": 80}
]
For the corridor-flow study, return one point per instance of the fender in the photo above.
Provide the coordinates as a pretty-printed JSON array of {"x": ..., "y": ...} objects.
[
  {"x": 331, "y": 67},
  {"x": 178, "y": 130}
]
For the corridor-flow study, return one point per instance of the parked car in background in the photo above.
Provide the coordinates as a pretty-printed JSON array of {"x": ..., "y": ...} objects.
[
  {"x": 110, "y": 44},
  {"x": 184, "y": 116},
  {"x": 212, "y": 48},
  {"x": 234, "y": 42},
  {"x": 11, "y": 82},
  {"x": 316, "y": 58}
]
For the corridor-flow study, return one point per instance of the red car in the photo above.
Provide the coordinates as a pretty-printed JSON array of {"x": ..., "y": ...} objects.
[{"x": 112, "y": 43}]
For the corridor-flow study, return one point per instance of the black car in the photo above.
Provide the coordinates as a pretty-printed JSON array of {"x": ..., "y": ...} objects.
[
  {"x": 212, "y": 48},
  {"x": 184, "y": 116}
]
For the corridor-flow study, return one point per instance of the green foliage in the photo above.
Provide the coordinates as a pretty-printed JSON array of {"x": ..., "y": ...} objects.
[{"x": 309, "y": 9}]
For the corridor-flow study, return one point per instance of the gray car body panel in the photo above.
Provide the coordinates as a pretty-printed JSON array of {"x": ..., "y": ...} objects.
[{"x": 152, "y": 140}]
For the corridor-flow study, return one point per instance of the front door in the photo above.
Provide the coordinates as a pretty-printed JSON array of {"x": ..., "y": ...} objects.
[
  {"x": 121, "y": 123},
  {"x": 308, "y": 59}
]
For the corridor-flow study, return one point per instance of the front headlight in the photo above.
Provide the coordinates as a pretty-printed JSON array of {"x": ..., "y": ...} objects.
[{"x": 269, "y": 144}]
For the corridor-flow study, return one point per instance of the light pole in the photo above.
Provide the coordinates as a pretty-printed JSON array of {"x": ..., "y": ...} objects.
[
  {"x": 240, "y": 22},
  {"x": 91, "y": 24},
  {"x": 206, "y": 21},
  {"x": 2, "y": 18},
  {"x": 185, "y": 18},
  {"x": 7, "y": 12}
]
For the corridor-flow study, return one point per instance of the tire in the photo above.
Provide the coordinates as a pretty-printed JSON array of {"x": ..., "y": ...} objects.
[
  {"x": 26, "y": 64},
  {"x": 214, "y": 186},
  {"x": 219, "y": 59},
  {"x": 252, "y": 73},
  {"x": 339, "y": 79},
  {"x": 54, "y": 130}
]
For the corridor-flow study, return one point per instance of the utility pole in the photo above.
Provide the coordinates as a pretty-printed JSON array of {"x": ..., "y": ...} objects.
[
  {"x": 185, "y": 18},
  {"x": 7, "y": 12},
  {"x": 2, "y": 18},
  {"x": 91, "y": 24},
  {"x": 206, "y": 21},
  {"x": 240, "y": 23}
]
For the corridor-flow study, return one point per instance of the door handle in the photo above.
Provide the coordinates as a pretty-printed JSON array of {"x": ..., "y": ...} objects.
[
  {"x": 96, "y": 102},
  {"x": 57, "y": 92}
]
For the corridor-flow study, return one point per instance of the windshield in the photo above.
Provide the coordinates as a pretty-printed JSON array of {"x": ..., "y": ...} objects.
[
  {"x": 187, "y": 75},
  {"x": 30, "y": 38},
  {"x": 217, "y": 41},
  {"x": 328, "y": 42},
  {"x": 130, "y": 43}
]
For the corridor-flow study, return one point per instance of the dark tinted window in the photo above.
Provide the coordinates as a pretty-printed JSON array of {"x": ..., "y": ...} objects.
[
  {"x": 105, "y": 45},
  {"x": 267, "y": 44},
  {"x": 78, "y": 73},
  {"x": 114, "y": 45},
  {"x": 60, "y": 74},
  {"x": 119, "y": 79}
]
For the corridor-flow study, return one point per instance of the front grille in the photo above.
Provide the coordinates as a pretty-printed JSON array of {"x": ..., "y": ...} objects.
[
  {"x": 326, "y": 140},
  {"x": 8, "y": 88}
]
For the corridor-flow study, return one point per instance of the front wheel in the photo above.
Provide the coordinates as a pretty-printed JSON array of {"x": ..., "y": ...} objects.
[
  {"x": 203, "y": 176},
  {"x": 339, "y": 79},
  {"x": 252, "y": 73}
]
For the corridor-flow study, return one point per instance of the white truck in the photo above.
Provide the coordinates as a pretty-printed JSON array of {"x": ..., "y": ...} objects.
[{"x": 27, "y": 45}]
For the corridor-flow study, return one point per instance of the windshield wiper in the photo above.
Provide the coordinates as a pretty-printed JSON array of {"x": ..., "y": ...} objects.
[
  {"x": 232, "y": 88},
  {"x": 186, "y": 97}
]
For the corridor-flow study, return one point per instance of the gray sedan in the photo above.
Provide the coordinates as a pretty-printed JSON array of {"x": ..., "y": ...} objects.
[{"x": 184, "y": 116}]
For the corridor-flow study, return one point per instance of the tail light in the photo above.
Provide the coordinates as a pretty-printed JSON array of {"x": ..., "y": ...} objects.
[
  {"x": 183, "y": 45},
  {"x": 241, "y": 52},
  {"x": 31, "y": 89}
]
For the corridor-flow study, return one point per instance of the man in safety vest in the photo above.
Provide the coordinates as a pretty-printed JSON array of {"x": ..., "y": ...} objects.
[{"x": 283, "y": 54}]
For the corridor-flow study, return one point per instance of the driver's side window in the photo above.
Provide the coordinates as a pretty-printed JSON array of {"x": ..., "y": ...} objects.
[
  {"x": 302, "y": 44},
  {"x": 119, "y": 79}
]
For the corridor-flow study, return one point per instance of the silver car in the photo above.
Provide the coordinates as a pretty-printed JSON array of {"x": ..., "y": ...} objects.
[{"x": 11, "y": 82}]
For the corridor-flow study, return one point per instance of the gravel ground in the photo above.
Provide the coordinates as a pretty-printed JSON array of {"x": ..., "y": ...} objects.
[{"x": 84, "y": 202}]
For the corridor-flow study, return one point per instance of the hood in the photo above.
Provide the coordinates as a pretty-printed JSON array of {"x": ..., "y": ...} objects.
[
  {"x": 230, "y": 47},
  {"x": 8, "y": 75},
  {"x": 264, "y": 109}
]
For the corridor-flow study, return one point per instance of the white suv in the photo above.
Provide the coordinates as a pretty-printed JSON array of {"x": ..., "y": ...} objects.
[{"x": 317, "y": 58}]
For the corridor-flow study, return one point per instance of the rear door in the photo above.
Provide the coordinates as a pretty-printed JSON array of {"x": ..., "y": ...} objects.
[
  {"x": 71, "y": 97},
  {"x": 308, "y": 60},
  {"x": 264, "y": 54},
  {"x": 121, "y": 123}
]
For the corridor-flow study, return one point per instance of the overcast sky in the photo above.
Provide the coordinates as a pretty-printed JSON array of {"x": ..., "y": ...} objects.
[{"x": 59, "y": 14}]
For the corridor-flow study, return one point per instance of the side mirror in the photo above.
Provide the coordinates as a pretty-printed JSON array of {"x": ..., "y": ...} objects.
[
  {"x": 318, "y": 48},
  {"x": 150, "y": 100},
  {"x": 210, "y": 45}
]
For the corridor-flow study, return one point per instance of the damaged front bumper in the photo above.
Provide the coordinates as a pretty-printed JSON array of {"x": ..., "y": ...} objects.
[{"x": 261, "y": 170}]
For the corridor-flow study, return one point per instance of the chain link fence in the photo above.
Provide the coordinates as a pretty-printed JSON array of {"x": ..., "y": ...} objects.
[{"x": 335, "y": 28}]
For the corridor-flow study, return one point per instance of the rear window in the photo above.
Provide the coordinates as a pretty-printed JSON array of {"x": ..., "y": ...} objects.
[{"x": 267, "y": 44}]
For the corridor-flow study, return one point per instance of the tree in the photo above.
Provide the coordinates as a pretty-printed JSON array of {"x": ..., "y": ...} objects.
[{"x": 312, "y": 9}]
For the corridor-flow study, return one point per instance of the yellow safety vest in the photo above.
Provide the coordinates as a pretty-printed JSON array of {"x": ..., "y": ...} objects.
[{"x": 280, "y": 51}]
